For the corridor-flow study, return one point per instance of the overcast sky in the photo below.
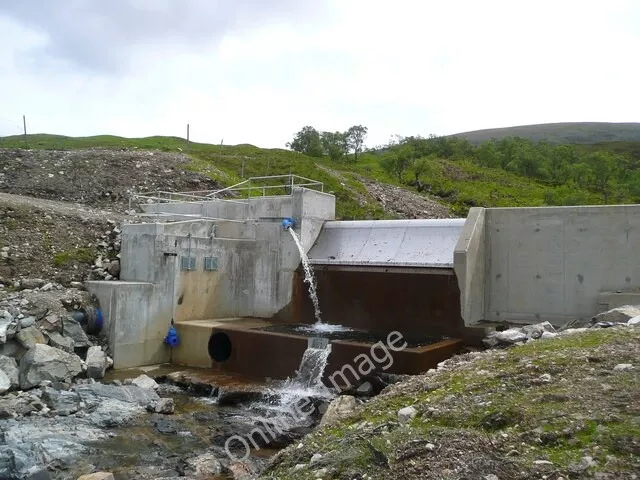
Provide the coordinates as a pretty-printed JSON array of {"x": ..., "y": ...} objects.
[{"x": 256, "y": 71}]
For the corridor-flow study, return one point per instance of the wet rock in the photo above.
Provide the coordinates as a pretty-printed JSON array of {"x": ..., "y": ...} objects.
[
  {"x": 97, "y": 476},
  {"x": 634, "y": 321},
  {"x": 406, "y": 414},
  {"x": 73, "y": 330},
  {"x": 30, "y": 336},
  {"x": 15, "y": 404},
  {"x": 364, "y": 389},
  {"x": 144, "y": 381},
  {"x": 96, "y": 362},
  {"x": 43, "y": 362},
  {"x": 237, "y": 395},
  {"x": 10, "y": 367},
  {"x": 61, "y": 402},
  {"x": 338, "y": 409},
  {"x": 165, "y": 406},
  {"x": 204, "y": 466},
  {"x": 618, "y": 315},
  {"x": 95, "y": 393},
  {"x": 58, "y": 341}
]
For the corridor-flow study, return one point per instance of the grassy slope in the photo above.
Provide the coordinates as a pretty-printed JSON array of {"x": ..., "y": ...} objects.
[
  {"x": 554, "y": 401},
  {"x": 579, "y": 132},
  {"x": 459, "y": 184}
]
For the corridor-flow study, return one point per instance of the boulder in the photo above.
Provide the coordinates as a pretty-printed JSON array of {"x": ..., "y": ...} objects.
[
  {"x": 30, "y": 336},
  {"x": 9, "y": 366},
  {"x": 61, "y": 402},
  {"x": 96, "y": 393},
  {"x": 51, "y": 323},
  {"x": 114, "y": 268},
  {"x": 12, "y": 349},
  {"x": 511, "y": 336},
  {"x": 5, "y": 322},
  {"x": 31, "y": 283},
  {"x": 634, "y": 321},
  {"x": 536, "y": 331},
  {"x": 204, "y": 466},
  {"x": 73, "y": 330},
  {"x": 43, "y": 362},
  {"x": 406, "y": 414},
  {"x": 144, "y": 381},
  {"x": 618, "y": 315},
  {"x": 5, "y": 382},
  {"x": 164, "y": 405},
  {"x": 96, "y": 362},
  {"x": 27, "y": 321},
  {"x": 338, "y": 409},
  {"x": 58, "y": 341}
]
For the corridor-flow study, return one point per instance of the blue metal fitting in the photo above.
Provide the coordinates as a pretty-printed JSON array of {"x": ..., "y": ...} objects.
[
  {"x": 288, "y": 223},
  {"x": 172, "y": 338}
]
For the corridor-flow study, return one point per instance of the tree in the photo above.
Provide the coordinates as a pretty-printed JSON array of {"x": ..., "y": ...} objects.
[
  {"x": 335, "y": 145},
  {"x": 397, "y": 161},
  {"x": 307, "y": 141},
  {"x": 355, "y": 139},
  {"x": 603, "y": 168}
]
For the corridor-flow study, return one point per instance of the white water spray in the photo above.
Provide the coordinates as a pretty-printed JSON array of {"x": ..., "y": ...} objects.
[{"x": 309, "y": 278}]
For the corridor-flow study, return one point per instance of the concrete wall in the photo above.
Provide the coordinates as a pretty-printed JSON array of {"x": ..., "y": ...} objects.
[
  {"x": 256, "y": 264},
  {"x": 469, "y": 265},
  {"x": 549, "y": 263}
]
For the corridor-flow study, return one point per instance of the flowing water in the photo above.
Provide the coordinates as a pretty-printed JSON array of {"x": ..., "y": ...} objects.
[{"x": 309, "y": 278}]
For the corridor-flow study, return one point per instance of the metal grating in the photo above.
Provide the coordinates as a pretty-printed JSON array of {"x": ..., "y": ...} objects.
[
  {"x": 211, "y": 263},
  {"x": 187, "y": 262}
]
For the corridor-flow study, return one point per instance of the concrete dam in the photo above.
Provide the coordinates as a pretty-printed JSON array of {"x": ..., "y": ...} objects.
[{"x": 223, "y": 268}]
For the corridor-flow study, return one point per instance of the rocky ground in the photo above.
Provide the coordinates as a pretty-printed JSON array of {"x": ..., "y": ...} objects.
[
  {"x": 102, "y": 178},
  {"x": 563, "y": 406}
]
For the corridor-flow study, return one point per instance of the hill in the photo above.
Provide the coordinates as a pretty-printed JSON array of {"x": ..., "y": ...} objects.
[{"x": 573, "y": 133}]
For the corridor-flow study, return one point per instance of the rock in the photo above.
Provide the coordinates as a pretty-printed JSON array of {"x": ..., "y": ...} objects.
[
  {"x": 622, "y": 367},
  {"x": 61, "y": 402},
  {"x": 73, "y": 330},
  {"x": 5, "y": 322},
  {"x": 97, "y": 476},
  {"x": 78, "y": 285},
  {"x": 94, "y": 394},
  {"x": 43, "y": 362},
  {"x": 316, "y": 457},
  {"x": 27, "y": 321},
  {"x": 546, "y": 335},
  {"x": 51, "y": 323},
  {"x": 536, "y": 331},
  {"x": 491, "y": 476},
  {"x": 12, "y": 349},
  {"x": 30, "y": 336},
  {"x": 545, "y": 377},
  {"x": 31, "y": 283},
  {"x": 338, "y": 409},
  {"x": 144, "y": 381},
  {"x": 406, "y": 414},
  {"x": 5, "y": 382},
  {"x": 204, "y": 466},
  {"x": 96, "y": 362},
  {"x": 511, "y": 336},
  {"x": 634, "y": 321},
  {"x": 365, "y": 389},
  {"x": 573, "y": 331},
  {"x": 58, "y": 341},
  {"x": 618, "y": 315},
  {"x": 10, "y": 367},
  {"x": 47, "y": 287},
  {"x": 165, "y": 406},
  {"x": 114, "y": 268}
]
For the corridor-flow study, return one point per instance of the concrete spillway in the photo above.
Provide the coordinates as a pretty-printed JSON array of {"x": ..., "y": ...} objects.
[{"x": 388, "y": 243}]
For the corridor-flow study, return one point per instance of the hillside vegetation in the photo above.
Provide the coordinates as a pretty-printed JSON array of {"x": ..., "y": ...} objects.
[
  {"x": 449, "y": 171},
  {"x": 575, "y": 133}
]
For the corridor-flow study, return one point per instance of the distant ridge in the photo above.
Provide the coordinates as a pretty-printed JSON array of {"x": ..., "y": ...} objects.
[{"x": 570, "y": 132}]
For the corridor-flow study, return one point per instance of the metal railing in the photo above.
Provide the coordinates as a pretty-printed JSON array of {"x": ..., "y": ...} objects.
[{"x": 273, "y": 185}]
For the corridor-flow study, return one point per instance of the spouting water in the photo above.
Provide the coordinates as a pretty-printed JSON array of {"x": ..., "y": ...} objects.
[{"x": 310, "y": 279}]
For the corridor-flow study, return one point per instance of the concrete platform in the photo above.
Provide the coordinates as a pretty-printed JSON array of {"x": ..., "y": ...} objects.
[{"x": 243, "y": 348}]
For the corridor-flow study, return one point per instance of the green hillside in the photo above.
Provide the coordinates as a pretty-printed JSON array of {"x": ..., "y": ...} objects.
[
  {"x": 454, "y": 172},
  {"x": 573, "y": 133}
]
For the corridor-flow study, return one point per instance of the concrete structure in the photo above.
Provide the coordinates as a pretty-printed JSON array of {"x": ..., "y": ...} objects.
[
  {"x": 222, "y": 269},
  {"x": 526, "y": 265}
]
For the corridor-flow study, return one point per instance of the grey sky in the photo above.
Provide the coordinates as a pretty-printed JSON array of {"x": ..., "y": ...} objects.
[{"x": 256, "y": 71}]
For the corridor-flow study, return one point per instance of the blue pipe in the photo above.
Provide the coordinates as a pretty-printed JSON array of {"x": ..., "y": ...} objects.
[{"x": 172, "y": 338}]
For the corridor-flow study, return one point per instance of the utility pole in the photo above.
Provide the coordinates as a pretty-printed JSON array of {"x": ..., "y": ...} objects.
[
  {"x": 24, "y": 123},
  {"x": 187, "y": 137}
]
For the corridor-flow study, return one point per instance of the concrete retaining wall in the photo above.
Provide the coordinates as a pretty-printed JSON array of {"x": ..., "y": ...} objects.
[{"x": 548, "y": 263}]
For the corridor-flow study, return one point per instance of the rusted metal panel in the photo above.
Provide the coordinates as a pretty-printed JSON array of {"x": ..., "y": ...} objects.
[{"x": 401, "y": 243}]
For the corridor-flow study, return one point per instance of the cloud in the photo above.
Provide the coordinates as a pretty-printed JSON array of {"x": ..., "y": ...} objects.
[{"x": 103, "y": 35}]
